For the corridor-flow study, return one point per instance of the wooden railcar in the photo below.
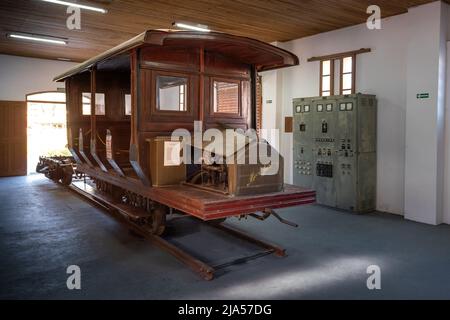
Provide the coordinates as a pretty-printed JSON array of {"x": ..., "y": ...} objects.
[{"x": 122, "y": 102}]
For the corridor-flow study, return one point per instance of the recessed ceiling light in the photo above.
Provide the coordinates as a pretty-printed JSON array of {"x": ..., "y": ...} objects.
[
  {"x": 77, "y": 5},
  {"x": 64, "y": 59},
  {"x": 37, "y": 38},
  {"x": 188, "y": 26}
]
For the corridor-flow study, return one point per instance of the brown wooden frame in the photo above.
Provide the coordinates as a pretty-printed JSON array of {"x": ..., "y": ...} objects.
[
  {"x": 154, "y": 104},
  {"x": 353, "y": 73},
  {"x": 123, "y": 93},
  {"x": 331, "y": 77},
  {"x": 212, "y": 113},
  {"x": 151, "y": 119},
  {"x": 340, "y": 57},
  {"x": 336, "y": 56},
  {"x": 81, "y": 105}
]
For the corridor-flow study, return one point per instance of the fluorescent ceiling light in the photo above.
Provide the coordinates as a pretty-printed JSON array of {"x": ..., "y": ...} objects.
[
  {"x": 77, "y": 5},
  {"x": 197, "y": 27},
  {"x": 31, "y": 37}
]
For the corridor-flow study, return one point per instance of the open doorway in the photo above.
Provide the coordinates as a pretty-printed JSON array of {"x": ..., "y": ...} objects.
[{"x": 46, "y": 129}]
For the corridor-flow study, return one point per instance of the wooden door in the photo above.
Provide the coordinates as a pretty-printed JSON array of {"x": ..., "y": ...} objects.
[{"x": 13, "y": 138}]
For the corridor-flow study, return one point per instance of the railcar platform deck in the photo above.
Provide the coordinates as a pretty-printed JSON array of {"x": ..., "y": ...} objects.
[{"x": 208, "y": 205}]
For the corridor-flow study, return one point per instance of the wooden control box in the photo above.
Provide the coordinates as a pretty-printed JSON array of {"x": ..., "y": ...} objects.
[{"x": 165, "y": 162}]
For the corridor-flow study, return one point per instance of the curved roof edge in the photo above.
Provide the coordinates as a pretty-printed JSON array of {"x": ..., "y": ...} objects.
[{"x": 157, "y": 37}]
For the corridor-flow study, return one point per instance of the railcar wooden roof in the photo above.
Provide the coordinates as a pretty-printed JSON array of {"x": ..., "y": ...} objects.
[
  {"x": 269, "y": 21},
  {"x": 263, "y": 55}
]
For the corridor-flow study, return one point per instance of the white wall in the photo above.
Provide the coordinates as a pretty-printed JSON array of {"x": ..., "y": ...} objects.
[
  {"x": 395, "y": 74},
  {"x": 446, "y": 182},
  {"x": 20, "y": 76},
  {"x": 446, "y": 196},
  {"x": 424, "y": 117},
  {"x": 270, "y": 105}
]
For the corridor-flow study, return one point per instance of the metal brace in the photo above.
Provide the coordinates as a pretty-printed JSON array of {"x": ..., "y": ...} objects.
[{"x": 268, "y": 212}]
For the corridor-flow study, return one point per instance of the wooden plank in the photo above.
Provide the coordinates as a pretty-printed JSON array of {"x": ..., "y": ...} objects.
[{"x": 335, "y": 56}]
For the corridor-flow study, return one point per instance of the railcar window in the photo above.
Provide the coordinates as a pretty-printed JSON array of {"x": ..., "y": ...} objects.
[
  {"x": 128, "y": 104},
  {"x": 226, "y": 97},
  {"x": 99, "y": 104},
  {"x": 171, "y": 93}
]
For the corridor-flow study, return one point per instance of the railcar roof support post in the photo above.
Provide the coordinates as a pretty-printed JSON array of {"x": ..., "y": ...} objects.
[
  {"x": 134, "y": 95},
  {"x": 93, "y": 144},
  {"x": 93, "y": 115},
  {"x": 254, "y": 77},
  {"x": 135, "y": 101},
  {"x": 201, "y": 100}
]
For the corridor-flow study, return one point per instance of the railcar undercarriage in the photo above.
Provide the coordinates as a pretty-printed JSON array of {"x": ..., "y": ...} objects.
[{"x": 148, "y": 218}]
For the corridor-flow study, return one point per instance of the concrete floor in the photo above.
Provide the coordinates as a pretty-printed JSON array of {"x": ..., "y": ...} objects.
[{"x": 44, "y": 228}]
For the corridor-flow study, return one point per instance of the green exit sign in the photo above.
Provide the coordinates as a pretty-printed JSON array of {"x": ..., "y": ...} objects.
[{"x": 423, "y": 95}]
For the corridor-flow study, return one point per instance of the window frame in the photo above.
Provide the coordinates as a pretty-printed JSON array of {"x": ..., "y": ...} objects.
[
  {"x": 339, "y": 57},
  {"x": 186, "y": 94},
  {"x": 182, "y": 97},
  {"x": 331, "y": 75},
  {"x": 81, "y": 103},
  {"x": 341, "y": 75},
  {"x": 154, "y": 111},
  {"x": 211, "y": 100},
  {"x": 124, "y": 95}
]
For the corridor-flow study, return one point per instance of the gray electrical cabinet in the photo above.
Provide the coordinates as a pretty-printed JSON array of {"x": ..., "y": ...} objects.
[{"x": 335, "y": 150}]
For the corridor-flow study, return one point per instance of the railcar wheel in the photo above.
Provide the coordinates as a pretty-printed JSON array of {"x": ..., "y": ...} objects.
[
  {"x": 158, "y": 221},
  {"x": 53, "y": 175},
  {"x": 66, "y": 177},
  {"x": 40, "y": 166}
]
